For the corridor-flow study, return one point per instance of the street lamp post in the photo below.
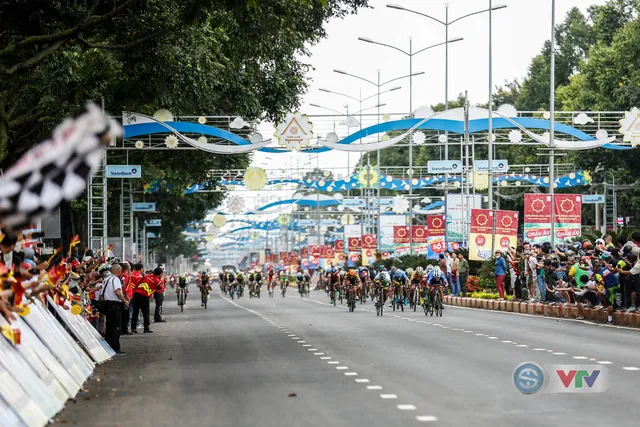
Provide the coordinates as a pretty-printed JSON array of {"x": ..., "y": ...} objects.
[
  {"x": 410, "y": 54},
  {"x": 552, "y": 118}
]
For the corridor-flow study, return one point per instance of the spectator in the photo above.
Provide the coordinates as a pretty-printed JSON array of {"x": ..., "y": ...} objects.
[
  {"x": 455, "y": 278},
  {"x": 608, "y": 242},
  {"x": 463, "y": 273},
  {"x": 141, "y": 296},
  {"x": 115, "y": 301},
  {"x": 514, "y": 257},
  {"x": 449, "y": 266},
  {"x": 501, "y": 271},
  {"x": 127, "y": 289},
  {"x": 136, "y": 278},
  {"x": 158, "y": 295}
]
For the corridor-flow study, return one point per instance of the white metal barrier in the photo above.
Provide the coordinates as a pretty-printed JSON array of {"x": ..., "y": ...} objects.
[{"x": 49, "y": 365}]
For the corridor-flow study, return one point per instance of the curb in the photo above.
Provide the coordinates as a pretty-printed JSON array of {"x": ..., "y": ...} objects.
[{"x": 555, "y": 311}]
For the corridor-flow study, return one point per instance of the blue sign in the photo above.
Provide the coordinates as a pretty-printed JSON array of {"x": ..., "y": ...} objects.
[
  {"x": 384, "y": 203},
  {"x": 592, "y": 199},
  {"x": 498, "y": 165},
  {"x": 153, "y": 223},
  {"x": 151, "y": 235},
  {"x": 124, "y": 171},
  {"x": 353, "y": 203},
  {"x": 444, "y": 166},
  {"x": 143, "y": 207}
]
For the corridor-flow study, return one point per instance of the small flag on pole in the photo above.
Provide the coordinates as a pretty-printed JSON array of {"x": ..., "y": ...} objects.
[{"x": 75, "y": 240}]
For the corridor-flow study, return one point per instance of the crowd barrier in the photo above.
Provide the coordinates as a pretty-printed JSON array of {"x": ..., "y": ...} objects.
[{"x": 45, "y": 362}]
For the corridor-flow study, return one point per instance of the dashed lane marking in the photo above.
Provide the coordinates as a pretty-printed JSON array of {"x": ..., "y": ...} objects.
[
  {"x": 426, "y": 418},
  {"x": 406, "y": 407},
  {"x": 388, "y": 396}
]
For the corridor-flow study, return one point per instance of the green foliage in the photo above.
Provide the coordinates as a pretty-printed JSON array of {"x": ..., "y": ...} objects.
[{"x": 489, "y": 295}]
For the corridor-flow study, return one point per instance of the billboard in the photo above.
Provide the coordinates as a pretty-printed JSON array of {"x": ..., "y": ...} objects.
[
  {"x": 387, "y": 224},
  {"x": 456, "y": 215}
]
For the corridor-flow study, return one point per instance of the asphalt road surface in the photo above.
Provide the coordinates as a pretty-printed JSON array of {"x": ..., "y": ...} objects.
[{"x": 293, "y": 362}]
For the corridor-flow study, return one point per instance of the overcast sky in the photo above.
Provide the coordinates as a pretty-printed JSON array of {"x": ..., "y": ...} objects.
[{"x": 519, "y": 32}]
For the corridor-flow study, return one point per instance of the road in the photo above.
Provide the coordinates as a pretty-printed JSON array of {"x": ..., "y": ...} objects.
[{"x": 293, "y": 362}]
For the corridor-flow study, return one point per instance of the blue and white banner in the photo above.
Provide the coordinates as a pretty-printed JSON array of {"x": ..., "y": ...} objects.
[{"x": 124, "y": 171}]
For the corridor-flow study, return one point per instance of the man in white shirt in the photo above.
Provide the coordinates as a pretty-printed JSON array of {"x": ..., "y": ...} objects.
[
  {"x": 115, "y": 302},
  {"x": 448, "y": 257}
]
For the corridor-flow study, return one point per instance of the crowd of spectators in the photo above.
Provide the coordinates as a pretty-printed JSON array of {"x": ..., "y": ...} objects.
[{"x": 109, "y": 292}]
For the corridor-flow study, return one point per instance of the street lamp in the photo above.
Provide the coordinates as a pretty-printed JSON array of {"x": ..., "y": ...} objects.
[{"x": 446, "y": 23}]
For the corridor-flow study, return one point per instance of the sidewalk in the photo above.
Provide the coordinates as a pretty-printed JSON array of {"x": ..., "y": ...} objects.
[{"x": 556, "y": 311}]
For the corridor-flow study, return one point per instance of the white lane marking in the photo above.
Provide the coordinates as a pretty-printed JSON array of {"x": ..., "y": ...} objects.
[
  {"x": 291, "y": 335},
  {"x": 312, "y": 349},
  {"x": 493, "y": 338},
  {"x": 558, "y": 353},
  {"x": 342, "y": 368},
  {"x": 306, "y": 345},
  {"x": 631, "y": 368},
  {"x": 580, "y": 357},
  {"x": 444, "y": 327},
  {"x": 522, "y": 345},
  {"x": 351, "y": 374},
  {"x": 604, "y": 362},
  {"x": 539, "y": 349},
  {"x": 479, "y": 335},
  {"x": 318, "y": 354},
  {"x": 507, "y": 342},
  {"x": 388, "y": 396},
  {"x": 325, "y": 358},
  {"x": 333, "y": 362},
  {"x": 295, "y": 338},
  {"x": 426, "y": 418},
  {"x": 374, "y": 387},
  {"x": 468, "y": 331},
  {"x": 362, "y": 380},
  {"x": 406, "y": 407},
  {"x": 302, "y": 342}
]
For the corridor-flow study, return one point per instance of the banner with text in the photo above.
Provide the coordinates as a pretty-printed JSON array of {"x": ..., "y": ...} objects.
[
  {"x": 506, "y": 235},
  {"x": 369, "y": 241},
  {"x": 387, "y": 234},
  {"x": 481, "y": 234},
  {"x": 567, "y": 216},
  {"x": 436, "y": 230},
  {"x": 537, "y": 218}
]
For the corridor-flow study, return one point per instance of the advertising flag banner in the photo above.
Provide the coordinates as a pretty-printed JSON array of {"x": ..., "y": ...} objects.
[
  {"x": 340, "y": 258},
  {"x": 456, "y": 210},
  {"x": 537, "y": 218},
  {"x": 339, "y": 246},
  {"x": 481, "y": 234},
  {"x": 436, "y": 230},
  {"x": 369, "y": 241},
  {"x": 304, "y": 252},
  {"x": 506, "y": 229},
  {"x": 314, "y": 251},
  {"x": 355, "y": 244},
  {"x": 368, "y": 256},
  {"x": 420, "y": 234},
  {"x": 400, "y": 234},
  {"x": 327, "y": 252},
  {"x": 283, "y": 256},
  {"x": 567, "y": 216}
]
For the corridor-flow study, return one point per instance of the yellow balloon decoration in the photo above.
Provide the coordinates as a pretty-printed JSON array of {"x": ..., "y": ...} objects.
[
  {"x": 255, "y": 178},
  {"x": 219, "y": 220}
]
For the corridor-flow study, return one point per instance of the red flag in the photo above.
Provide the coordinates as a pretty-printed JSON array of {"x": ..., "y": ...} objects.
[
  {"x": 315, "y": 251},
  {"x": 482, "y": 221},
  {"x": 75, "y": 240},
  {"x": 369, "y": 241},
  {"x": 110, "y": 247},
  {"x": 537, "y": 208},
  {"x": 400, "y": 234},
  {"x": 354, "y": 244},
  {"x": 339, "y": 246},
  {"x": 507, "y": 223},
  {"x": 436, "y": 225},
  {"x": 420, "y": 234}
]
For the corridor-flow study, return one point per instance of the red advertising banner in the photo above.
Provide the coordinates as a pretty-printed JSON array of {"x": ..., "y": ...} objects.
[
  {"x": 537, "y": 208},
  {"x": 568, "y": 208},
  {"x": 326, "y": 252},
  {"x": 400, "y": 234},
  {"x": 507, "y": 222},
  {"x": 438, "y": 246},
  {"x": 354, "y": 244},
  {"x": 420, "y": 233},
  {"x": 481, "y": 234},
  {"x": 314, "y": 251},
  {"x": 304, "y": 252},
  {"x": 339, "y": 246},
  {"x": 354, "y": 257},
  {"x": 369, "y": 241},
  {"x": 436, "y": 225},
  {"x": 283, "y": 256},
  {"x": 341, "y": 257},
  {"x": 481, "y": 221}
]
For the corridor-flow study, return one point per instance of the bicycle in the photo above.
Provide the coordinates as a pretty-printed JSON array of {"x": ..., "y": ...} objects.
[
  {"x": 438, "y": 304},
  {"x": 351, "y": 300},
  {"x": 204, "y": 296},
  {"x": 270, "y": 289},
  {"x": 232, "y": 292},
  {"x": 427, "y": 303},
  {"x": 181, "y": 298},
  {"x": 380, "y": 300},
  {"x": 413, "y": 297},
  {"x": 283, "y": 289}
]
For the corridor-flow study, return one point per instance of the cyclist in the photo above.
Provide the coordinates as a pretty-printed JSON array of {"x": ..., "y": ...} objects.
[
  {"x": 271, "y": 276},
  {"x": 400, "y": 281},
  {"x": 363, "y": 273},
  {"x": 382, "y": 280},
  {"x": 240, "y": 283},
  {"x": 301, "y": 284},
  {"x": 283, "y": 282},
  {"x": 435, "y": 278},
  {"x": 334, "y": 283},
  {"x": 352, "y": 280},
  {"x": 182, "y": 284},
  {"x": 204, "y": 285}
]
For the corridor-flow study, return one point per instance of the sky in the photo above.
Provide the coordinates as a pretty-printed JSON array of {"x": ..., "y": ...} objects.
[{"x": 519, "y": 31}]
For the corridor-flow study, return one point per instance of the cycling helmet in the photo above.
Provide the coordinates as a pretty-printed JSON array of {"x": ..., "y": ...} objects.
[
  {"x": 436, "y": 271},
  {"x": 429, "y": 268},
  {"x": 419, "y": 271},
  {"x": 333, "y": 270},
  {"x": 299, "y": 275},
  {"x": 381, "y": 268},
  {"x": 397, "y": 275},
  {"x": 409, "y": 271},
  {"x": 352, "y": 273},
  {"x": 342, "y": 273}
]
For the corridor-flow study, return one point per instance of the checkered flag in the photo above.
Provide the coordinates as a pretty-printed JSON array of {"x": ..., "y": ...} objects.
[{"x": 56, "y": 169}]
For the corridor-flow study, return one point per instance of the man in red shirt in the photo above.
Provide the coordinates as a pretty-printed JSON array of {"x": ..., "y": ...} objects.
[
  {"x": 158, "y": 295},
  {"x": 127, "y": 290},
  {"x": 142, "y": 293}
]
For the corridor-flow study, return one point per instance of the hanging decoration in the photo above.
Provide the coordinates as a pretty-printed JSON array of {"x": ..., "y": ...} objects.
[
  {"x": 284, "y": 219},
  {"x": 255, "y": 178},
  {"x": 630, "y": 127},
  {"x": 368, "y": 177},
  {"x": 202, "y": 120},
  {"x": 139, "y": 145},
  {"x": 235, "y": 204},
  {"x": 419, "y": 138},
  {"x": 163, "y": 115},
  {"x": 515, "y": 136},
  {"x": 219, "y": 220},
  {"x": 171, "y": 141},
  {"x": 400, "y": 204},
  {"x": 295, "y": 132},
  {"x": 203, "y": 139},
  {"x": 347, "y": 219},
  {"x": 480, "y": 180}
]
